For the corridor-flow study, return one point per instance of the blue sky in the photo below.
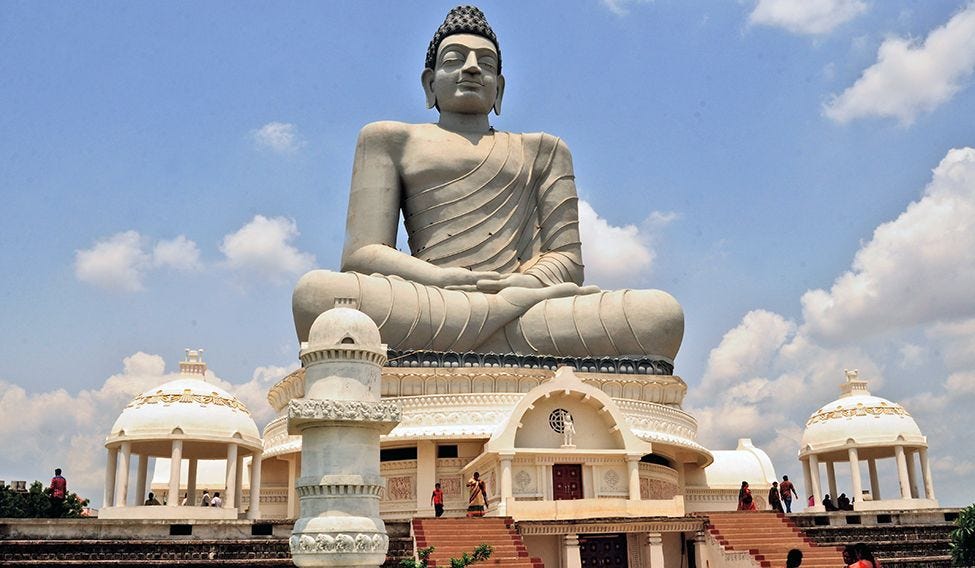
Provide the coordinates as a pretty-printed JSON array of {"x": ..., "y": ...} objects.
[{"x": 168, "y": 170}]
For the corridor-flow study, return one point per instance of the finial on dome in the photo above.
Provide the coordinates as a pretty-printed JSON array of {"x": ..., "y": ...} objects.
[
  {"x": 854, "y": 385},
  {"x": 193, "y": 364}
]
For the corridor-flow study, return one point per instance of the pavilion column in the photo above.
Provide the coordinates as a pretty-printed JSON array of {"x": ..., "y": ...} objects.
[
  {"x": 814, "y": 476},
  {"x": 231, "y": 491},
  {"x": 874, "y": 480},
  {"x": 426, "y": 473},
  {"x": 292, "y": 493},
  {"x": 831, "y": 479},
  {"x": 807, "y": 478},
  {"x": 926, "y": 474},
  {"x": 912, "y": 472},
  {"x": 175, "y": 467},
  {"x": 902, "y": 472},
  {"x": 571, "y": 555},
  {"x": 140, "y": 480},
  {"x": 111, "y": 467},
  {"x": 191, "y": 481},
  {"x": 855, "y": 475},
  {"x": 239, "y": 482},
  {"x": 122, "y": 477},
  {"x": 655, "y": 542},
  {"x": 254, "y": 512},
  {"x": 633, "y": 469}
]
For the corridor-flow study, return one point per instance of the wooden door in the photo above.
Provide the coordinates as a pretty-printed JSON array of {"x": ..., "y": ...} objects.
[
  {"x": 566, "y": 481},
  {"x": 603, "y": 550}
]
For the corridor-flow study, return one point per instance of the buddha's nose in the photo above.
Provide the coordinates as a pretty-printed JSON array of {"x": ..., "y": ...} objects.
[{"x": 470, "y": 64}]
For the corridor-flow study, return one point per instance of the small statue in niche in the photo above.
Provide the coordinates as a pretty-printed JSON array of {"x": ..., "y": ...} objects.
[{"x": 568, "y": 430}]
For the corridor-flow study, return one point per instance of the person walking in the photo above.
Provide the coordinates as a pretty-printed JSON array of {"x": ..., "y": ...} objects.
[
  {"x": 745, "y": 500},
  {"x": 787, "y": 490},
  {"x": 216, "y": 501},
  {"x": 773, "y": 497},
  {"x": 205, "y": 501},
  {"x": 436, "y": 499},
  {"x": 477, "y": 501}
]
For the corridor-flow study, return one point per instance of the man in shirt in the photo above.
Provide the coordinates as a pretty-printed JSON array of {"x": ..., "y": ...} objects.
[
  {"x": 59, "y": 490},
  {"x": 437, "y": 500},
  {"x": 787, "y": 490}
]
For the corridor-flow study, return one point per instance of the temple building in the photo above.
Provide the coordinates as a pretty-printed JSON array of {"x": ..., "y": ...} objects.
[{"x": 859, "y": 429}]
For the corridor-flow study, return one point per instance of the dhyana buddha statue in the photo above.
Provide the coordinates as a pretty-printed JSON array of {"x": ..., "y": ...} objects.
[{"x": 495, "y": 261}]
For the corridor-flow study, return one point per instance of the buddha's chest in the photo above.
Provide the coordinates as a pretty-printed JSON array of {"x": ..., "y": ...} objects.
[{"x": 439, "y": 158}]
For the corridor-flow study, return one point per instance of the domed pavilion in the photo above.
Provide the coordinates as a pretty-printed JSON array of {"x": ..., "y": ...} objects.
[
  {"x": 184, "y": 419},
  {"x": 859, "y": 427}
]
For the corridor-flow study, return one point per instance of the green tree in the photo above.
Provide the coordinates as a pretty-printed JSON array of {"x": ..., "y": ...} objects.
[
  {"x": 37, "y": 503},
  {"x": 963, "y": 538}
]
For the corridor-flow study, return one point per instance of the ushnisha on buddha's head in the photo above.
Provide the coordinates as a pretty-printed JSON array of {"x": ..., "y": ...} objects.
[{"x": 463, "y": 65}]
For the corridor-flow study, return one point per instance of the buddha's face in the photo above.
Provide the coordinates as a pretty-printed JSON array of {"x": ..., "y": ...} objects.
[{"x": 466, "y": 78}]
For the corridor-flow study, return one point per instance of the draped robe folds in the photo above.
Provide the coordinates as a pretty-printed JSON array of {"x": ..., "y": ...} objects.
[{"x": 514, "y": 211}]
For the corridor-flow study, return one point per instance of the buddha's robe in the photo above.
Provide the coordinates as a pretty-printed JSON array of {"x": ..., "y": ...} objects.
[{"x": 515, "y": 211}]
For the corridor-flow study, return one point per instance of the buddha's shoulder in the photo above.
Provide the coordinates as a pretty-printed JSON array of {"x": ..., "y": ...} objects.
[
  {"x": 544, "y": 140},
  {"x": 386, "y": 129}
]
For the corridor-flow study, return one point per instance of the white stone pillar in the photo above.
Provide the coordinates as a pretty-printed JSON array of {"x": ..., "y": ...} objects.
[
  {"x": 254, "y": 512},
  {"x": 111, "y": 468},
  {"x": 855, "y": 475},
  {"x": 140, "y": 480},
  {"x": 633, "y": 469},
  {"x": 228, "y": 498},
  {"x": 292, "y": 493},
  {"x": 911, "y": 472},
  {"x": 191, "y": 482},
  {"x": 902, "y": 472},
  {"x": 874, "y": 479},
  {"x": 175, "y": 468},
  {"x": 831, "y": 479},
  {"x": 926, "y": 474},
  {"x": 239, "y": 482},
  {"x": 807, "y": 479},
  {"x": 655, "y": 542},
  {"x": 426, "y": 474},
  {"x": 122, "y": 477},
  {"x": 814, "y": 475},
  {"x": 507, "y": 491},
  {"x": 571, "y": 555}
]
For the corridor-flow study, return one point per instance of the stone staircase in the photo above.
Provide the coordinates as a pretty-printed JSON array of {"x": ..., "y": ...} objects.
[
  {"x": 452, "y": 537},
  {"x": 768, "y": 537},
  {"x": 895, "y": 546}
]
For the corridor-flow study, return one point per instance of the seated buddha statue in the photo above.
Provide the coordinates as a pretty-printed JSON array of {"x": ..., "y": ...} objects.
[{"x": 495, "y": 262}]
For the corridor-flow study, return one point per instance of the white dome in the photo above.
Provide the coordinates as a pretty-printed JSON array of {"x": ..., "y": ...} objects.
[
  {"x": 189, "y": 409},
  {"x": 342, "y": 325},
  {"x": 859, "y": 420},
  {"x": 746, "y": 463}
]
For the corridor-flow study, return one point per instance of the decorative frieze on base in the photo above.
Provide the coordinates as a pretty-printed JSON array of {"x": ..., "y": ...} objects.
[{"x": 340, "y": 543}]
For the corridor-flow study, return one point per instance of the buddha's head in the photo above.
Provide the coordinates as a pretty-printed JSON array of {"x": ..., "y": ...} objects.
[{"x": 463, "y": 65}]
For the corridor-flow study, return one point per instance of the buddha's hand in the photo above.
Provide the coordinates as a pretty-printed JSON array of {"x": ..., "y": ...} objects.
[
  {"x": 515, "y": 280},
  {"x": 528, "y": 297},
  {"x": 457, "y": 278}
]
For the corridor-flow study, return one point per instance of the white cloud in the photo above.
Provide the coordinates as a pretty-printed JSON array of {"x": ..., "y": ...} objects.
[
  {"x": 121, "y": 262},
  {"x": 179, "y": 254},
  {"x": 917, "y": 269},
  {"x": 806, "y": 17},
  {"x": 618, "y": 256},
  {"x": 115, "y": 263},
  {"x": 280, "y": 137},
  {"x": 620, "y": 7},
  {"x": 67, "y": 430},
  {"x": 910, "y": 78},
  {"x": 263, "y": 247}
]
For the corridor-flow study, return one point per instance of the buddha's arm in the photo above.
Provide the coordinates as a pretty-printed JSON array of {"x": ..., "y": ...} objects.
[
  {"x": 558, "y": 219},
  {"x": 373, "y": 218}
]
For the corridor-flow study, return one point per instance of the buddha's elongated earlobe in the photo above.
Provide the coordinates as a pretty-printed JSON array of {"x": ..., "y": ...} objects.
[
  {"x": 426, "y": 79},
  {"x": 497, "y": 100}
]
